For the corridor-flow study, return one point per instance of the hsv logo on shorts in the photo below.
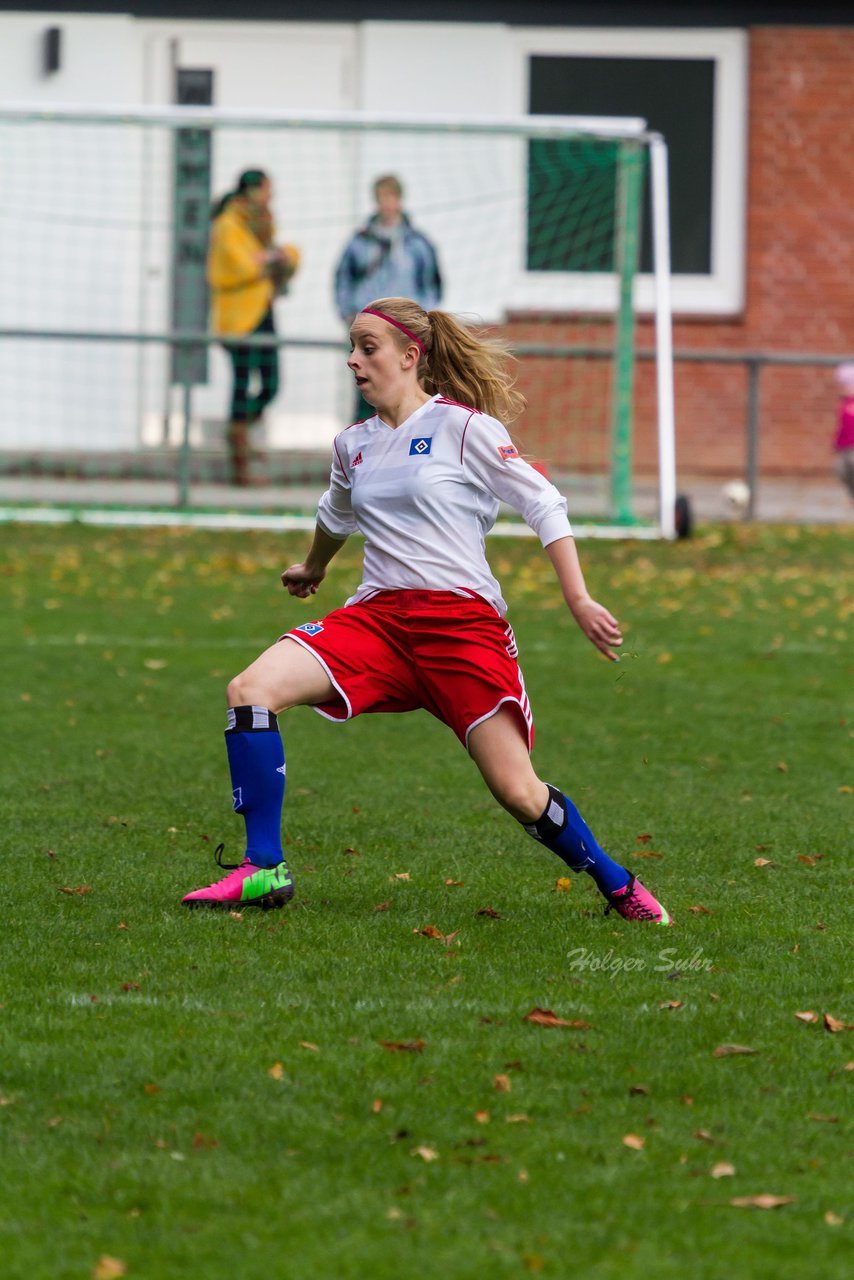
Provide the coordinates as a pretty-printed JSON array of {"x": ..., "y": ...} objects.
[
  {"x": 507, "y": 451},
  {"x": 421, "y": 446},
  {"x": 310, "y": 628}
]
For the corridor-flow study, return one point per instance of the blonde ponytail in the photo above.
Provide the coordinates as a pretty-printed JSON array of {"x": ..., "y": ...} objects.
[{"x": 456, "y": 362}]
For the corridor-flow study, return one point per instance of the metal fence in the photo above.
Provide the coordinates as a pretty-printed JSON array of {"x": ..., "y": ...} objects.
[{"x": 178, "y": 458}]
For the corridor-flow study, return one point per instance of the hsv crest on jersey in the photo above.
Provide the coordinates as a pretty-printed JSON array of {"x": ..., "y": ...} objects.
[
  {"x": 507, "y": 451},
  {"x": 356, "y": 460},
  {"x": 421, "y": 446},
  {"x": 310, "y": 628}
]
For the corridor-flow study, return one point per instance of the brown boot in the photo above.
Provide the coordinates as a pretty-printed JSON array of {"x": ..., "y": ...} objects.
[{"x": 239, "y": 452}]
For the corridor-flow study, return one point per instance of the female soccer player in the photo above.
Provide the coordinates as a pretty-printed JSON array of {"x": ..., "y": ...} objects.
[{"x": 422, "y": 481}]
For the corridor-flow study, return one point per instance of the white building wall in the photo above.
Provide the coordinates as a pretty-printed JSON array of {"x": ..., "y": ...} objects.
[{"x": 85, "y": 238}]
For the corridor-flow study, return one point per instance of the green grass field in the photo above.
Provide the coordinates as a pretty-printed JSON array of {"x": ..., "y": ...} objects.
[{"x": 328, "y": 1091}]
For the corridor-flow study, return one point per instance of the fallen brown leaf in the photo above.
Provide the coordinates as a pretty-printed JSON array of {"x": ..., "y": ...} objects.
[
  {"x": 816, "y": 1115},
  {"x": 646, "y": 853},
  {"x": 80, "y": 889},
  {"x": 644, "y": 839},
  {"x": 456, "y": 884},
  {"x": 488, "y": 911},
  {"x": 382, "y": 906},
  {"x": 761, "y": 1202},
  {"x": 306, "y": 1044},
  {"x": 700, "y": 911},
  {"x": 722, "y": 1170},
  {"x": 377, "y": 1106},
  {"x": 404, "y": 1046},
  {"x": 107, "y": 1268},
  {"x": 545, "y": 1018},
  {"x": 563, "y": 884},
  {"x": 762, "y": 862},
  {"x": 400, "y": 875},
  {"x": 632, "y": 1140},
  {"x": 517, "y": 1118},
  {"x": 639, "y": 1090},
  {"x": 502, "y": 1083},
  {"x": 703, "y": 1135},
  {"x": 833, "y": 1219},
  {"x": 430, "y": 931},
  {"x": 131, "y": 986},
  {"x": 482, "y": 1117},
  {"x": 672, "y": 1004},
  {"x": 807, "y": 1015},
  {"x": 276, "y": 1071},
  {"x": 728, "y": 1050},
  {"x": 425, "y": 1153},
  {"x": 834, "y": 1024}
]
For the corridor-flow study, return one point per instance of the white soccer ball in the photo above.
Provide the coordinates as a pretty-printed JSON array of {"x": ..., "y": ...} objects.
[{"x": 736, "y": 495}]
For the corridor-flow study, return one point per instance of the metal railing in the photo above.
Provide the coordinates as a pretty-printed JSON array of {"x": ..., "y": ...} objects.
[{"x": 754, "y": 362}]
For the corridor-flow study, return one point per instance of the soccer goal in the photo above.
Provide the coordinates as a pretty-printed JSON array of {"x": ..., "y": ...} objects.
[{"x": 551, "y": 232}]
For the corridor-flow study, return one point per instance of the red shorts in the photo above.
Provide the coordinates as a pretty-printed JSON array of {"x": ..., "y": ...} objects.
[{"x": 451, "y": 655}]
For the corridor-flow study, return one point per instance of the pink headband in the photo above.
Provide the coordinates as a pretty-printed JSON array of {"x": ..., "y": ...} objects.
[{"x": 369, "y": 311}]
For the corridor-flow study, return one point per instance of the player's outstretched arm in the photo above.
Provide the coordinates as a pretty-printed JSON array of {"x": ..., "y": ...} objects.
[
  {"x": 600, "y": 626},
  {"x": 304, "y": 579}
]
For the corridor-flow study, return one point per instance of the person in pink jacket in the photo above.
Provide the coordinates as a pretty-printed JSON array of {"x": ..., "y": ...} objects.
[{"x": 844, "y": 442}]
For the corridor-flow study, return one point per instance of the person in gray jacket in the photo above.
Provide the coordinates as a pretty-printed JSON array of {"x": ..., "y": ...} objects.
[{"x": 387, "y": 257}]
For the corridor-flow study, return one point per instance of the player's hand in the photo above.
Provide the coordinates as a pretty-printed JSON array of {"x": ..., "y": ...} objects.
[
  {"x": 301, "y": 580},
  {"x": 600, "y": 626}
]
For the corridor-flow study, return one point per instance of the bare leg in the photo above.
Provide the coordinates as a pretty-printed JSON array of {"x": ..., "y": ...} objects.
[
  {"x": 285, "y": 675},
  {"x": 501, "y": 754}
]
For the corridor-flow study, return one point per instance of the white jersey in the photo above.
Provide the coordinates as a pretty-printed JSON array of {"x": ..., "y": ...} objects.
[{"x": 425, "y": 495}]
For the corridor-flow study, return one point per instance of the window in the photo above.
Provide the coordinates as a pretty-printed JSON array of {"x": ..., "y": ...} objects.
[{"x": 690, "y": 87}]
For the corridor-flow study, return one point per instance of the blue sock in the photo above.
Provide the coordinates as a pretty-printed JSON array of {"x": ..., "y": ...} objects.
[
  {"x": 256, "y": 759},
  {"x": 562, "y": 829}
]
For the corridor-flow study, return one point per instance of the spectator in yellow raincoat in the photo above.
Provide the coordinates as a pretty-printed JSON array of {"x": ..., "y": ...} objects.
[{"x": 246, "y": 270}]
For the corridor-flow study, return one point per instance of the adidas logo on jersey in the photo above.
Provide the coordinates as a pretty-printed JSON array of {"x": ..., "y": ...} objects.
[{"x": 356, "y": 460}]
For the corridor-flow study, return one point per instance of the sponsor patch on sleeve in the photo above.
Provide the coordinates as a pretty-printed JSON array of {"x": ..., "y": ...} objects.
[
  {"x": 310, "y": 628},
  {"x": 507, "y": 452}
]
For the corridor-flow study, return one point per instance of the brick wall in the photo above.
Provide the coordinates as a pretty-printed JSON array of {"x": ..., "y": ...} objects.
[{"x": 800, "y": 271}]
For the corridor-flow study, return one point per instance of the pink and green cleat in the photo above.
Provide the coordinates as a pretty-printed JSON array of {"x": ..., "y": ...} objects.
[
  {"x": 246, "y": 885},
  {"x": 635, "y": 902}
]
